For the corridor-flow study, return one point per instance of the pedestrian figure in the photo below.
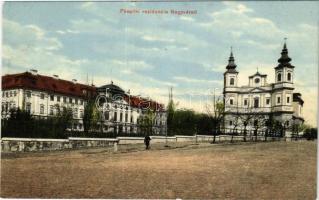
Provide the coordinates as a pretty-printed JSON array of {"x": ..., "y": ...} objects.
[{"x": 147, "y": 140}]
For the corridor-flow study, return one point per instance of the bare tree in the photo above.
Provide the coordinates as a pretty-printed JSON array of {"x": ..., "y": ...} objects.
[
  {"x": 246, "y": 116},
  {"x": 216, "y": 112},
  {"x": 259, "y": 121},
  {"x": 235, "y": 122}
]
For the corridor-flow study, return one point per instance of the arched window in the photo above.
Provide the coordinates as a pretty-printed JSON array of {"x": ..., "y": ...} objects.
[
  {"x": 279, "y": 77},
  {"x": 289, "y": 76},
  {"x": 232, "y": 81}
]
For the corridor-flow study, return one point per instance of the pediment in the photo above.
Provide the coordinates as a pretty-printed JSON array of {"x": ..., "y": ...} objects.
[{"x": 257, "y": 89}]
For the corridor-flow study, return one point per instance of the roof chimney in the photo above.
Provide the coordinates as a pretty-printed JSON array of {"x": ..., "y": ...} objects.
[
  {"x": 34, "y": 71},
  {"x": 55, "y": 76}
]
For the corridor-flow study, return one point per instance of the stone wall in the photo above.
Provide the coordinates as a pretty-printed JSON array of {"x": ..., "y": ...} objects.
[{"x": 33, "y": 144}]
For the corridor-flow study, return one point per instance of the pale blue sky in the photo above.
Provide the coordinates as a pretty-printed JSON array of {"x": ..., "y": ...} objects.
[{"x": 149, "y": 53}]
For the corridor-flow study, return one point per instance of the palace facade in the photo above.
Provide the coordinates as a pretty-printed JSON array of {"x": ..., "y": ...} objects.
[
  {"x": 260, "y": 102},
  {"x": 44, "y": 96}
]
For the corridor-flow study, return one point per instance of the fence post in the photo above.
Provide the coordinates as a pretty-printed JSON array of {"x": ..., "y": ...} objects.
[{"x": 115, "y": 147}]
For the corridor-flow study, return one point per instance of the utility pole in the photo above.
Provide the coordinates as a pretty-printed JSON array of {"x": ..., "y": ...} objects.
[{"x": 170, "y": 101}]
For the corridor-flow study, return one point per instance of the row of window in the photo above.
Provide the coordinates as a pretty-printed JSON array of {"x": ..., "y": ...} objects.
[
  {"x": 58, "y": 98},
  {"x": 121, "y": 117},
  {"x": 7, "y": 106},
  {"x": 287, "y": 100},
  {"x": 256, "y": 101},
  {"x": 56, "y": 109},
  {"x": 254, "y": 123},
  {"x": 289, "y": 77},
  {"x": 9, "y": 94},
  {"x": 65, "y": 99}
]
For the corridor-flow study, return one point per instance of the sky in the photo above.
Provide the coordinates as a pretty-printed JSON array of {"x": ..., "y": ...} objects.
[{"x": 149, "y": 53}]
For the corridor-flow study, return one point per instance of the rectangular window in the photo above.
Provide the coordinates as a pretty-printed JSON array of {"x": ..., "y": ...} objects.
[
  {"x": 58, "y": 98},
  {"x": 28, "y": 107},
  {"x": 288, "y": 99},
  {"x": 51, "y": 97},
  {"x": 126, "y": 117},
  {"x": 267, "y": 101},
  {"x": 51, "y": 110},
  {"x": 15, "y": 93},
  {"x": 10, "y": 93},
  {"x": 231, "y": 101},
  {"x": 41, "y": 109},
  {"x": 121, "y": 117},
  {"x": 70, "y": 100},
  {"x": 230, "y": 123},
  {"x": 245, "y": 102},
  {"x": 278, "y": 100},
  {"x": 106, "y": 115},
  {"x": 115, "y": 116},
  {"x": 81, "y": 102},
  {"x": 131, "y": 118},
  {"x": 28, "y": 94},
  {"x": 75, "y": 113},
  {"x": 64, "y": 99},
  {"x": 256, "y": 102},
  {"x": 76, "y": 101},
  {"x": 42, "y": 96}
]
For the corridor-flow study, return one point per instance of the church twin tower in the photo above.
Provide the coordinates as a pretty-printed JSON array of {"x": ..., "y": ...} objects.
[
  {"x": 284, "y": 70},
  {"x": 272, "y": 100}
]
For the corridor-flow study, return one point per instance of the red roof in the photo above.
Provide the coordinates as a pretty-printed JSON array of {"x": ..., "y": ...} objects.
[
  {"x": 28, "y": 80},
  {"x": 45, "y": 83},
  {"x": 143, "y": 103}
]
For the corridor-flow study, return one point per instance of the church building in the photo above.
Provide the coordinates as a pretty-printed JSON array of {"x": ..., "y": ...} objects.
[{"x": 253, "y": 106}]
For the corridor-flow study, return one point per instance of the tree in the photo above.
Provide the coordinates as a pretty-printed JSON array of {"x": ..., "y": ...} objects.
[
  {"x": 62, "y": 121},
  {"x": 216, "y": 112},
  {"x": 259, "y": 120},
  {"x": 310, "y": 133},
  {"x": 90, "y": 116},
  {"x": 170, "y": 116},
  {"x": 246, "y": 118},
  {"x": 204, "y": 124},
  {"x": 146, "y": 122},
  {"x": 19, "y": 124},
  {"x": 184, "y": 122}
]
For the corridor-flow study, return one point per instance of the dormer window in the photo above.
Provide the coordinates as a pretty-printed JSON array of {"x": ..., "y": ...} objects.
[
  {"x": 279, "y": 77},
  {"x": 232, "y": 81}
]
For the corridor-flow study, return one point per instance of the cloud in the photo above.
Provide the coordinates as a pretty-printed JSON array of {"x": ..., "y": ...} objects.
[
  {"x": 28, "y": 36},
  {"x": 156, "y": 38},
  {"x": 187, "y": 18},
  {"x": 239, "y": 18},
  {"x": 196, "y": 81}
]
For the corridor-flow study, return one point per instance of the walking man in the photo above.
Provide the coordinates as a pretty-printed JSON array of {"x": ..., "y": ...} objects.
[{"x": 147, "y": 140}]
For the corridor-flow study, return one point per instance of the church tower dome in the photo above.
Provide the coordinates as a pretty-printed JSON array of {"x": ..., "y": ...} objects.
[
  {"x": 284, "y": 60},
  {"x": 284, "y": 70},
  {"x": 230, "y": 76},
  {"x": 231, "y": 67}
]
